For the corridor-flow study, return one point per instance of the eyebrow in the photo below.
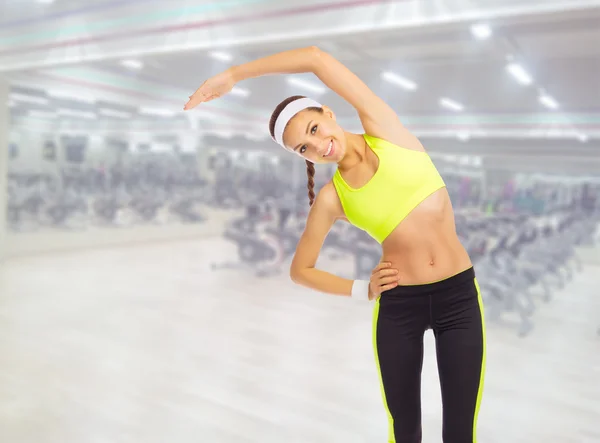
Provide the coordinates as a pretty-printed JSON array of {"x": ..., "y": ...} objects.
[{"x": 307, "y": 126}]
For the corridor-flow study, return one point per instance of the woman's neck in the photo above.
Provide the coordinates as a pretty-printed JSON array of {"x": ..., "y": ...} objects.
[{"x": 355, "y": 151}]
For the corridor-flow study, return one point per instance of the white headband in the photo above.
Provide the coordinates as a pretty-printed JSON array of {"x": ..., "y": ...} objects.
[{"x": 288, "y": 112}]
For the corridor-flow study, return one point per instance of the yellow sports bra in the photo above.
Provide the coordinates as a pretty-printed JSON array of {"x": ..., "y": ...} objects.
[{"x": 404, "y": 178}]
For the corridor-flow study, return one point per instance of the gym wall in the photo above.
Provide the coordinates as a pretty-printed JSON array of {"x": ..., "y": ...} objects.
[
  {"x": 46, "y": 153},
  {"x": 32, "y": 158}
]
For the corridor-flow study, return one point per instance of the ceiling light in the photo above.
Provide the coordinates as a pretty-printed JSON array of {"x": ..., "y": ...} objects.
[
  {"x": 221, "y": 56},
  {"x": 157, "y": 112},
  {"x": 42, "y": 114},
  {"x": 29, "y": 98},
  {"x": 75, "y": 96},
  {"x": 555, "y": 133},
  {"x": 583, "y": 138},
  {"x": 548, "y": 101},
  {"x": 132, "y": 64},
  {"x": 451, "y": 104},
  {"x": 240, "y": 92},
  {"x": 46, "y": 2},
  {"x": 114, "y": 113},
  {"x": 318, "y": 89},
  {"x": 519, "y": 73},
  {"x": 398, "y": 80},
  {"x": 76, "y": 113},
  {"x": 481, "y": 31}
]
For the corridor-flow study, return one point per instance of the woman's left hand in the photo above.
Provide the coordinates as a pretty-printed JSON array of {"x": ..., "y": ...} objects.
[
  {"x": 214, "y": 87},
  {"x": 383, "y": 278}
]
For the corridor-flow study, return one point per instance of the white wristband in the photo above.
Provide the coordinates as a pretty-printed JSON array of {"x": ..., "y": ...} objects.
[{"x": 360, "y": 289}]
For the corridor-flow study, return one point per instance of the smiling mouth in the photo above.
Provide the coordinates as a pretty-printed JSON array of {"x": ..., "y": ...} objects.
[{"x": 330, "y": 150}]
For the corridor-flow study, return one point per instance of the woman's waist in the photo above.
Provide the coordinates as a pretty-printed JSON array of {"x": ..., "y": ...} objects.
[
  {"x": 420, "y": 270},
  {"x": 425, "y": 260}
]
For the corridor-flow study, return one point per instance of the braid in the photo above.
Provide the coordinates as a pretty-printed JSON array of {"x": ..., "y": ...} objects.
[{"x": 310, "y": 172}]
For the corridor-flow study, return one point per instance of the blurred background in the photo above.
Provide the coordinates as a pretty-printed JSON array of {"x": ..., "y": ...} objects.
[{"x": 144, "y": 251}]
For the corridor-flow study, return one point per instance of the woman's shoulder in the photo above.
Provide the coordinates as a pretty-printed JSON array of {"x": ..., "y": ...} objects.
[
  {"x": 328, "y": 200},
  {"x": 328, "y": 194},
  {"x": 398, "y": 139}
]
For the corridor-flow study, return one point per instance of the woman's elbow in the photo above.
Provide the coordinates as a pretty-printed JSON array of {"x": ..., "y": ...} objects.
[
  {"x": 314, "y": 50},
  {"x": 294, "y": 274},
  {"x": 297, "y": 274},
  {"x": 316, "y": 56}
]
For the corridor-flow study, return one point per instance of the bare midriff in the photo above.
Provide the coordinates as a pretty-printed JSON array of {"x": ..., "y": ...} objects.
[{"x": 425, "y": 247}]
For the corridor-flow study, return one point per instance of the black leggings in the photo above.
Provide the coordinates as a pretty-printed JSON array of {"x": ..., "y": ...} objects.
[{"x": 453, "y": 309}]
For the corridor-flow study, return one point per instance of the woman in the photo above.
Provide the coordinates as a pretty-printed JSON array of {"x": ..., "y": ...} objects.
[{"x": 387, "y": 185}]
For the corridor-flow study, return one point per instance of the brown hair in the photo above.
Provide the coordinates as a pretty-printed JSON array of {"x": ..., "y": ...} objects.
[{"x": 310, "y": 167}]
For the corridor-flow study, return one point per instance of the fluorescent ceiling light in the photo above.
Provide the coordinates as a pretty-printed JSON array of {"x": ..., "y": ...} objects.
[
  {"x": 42, "y": 114},
  {"x": 76, "y": 113},
  {"x": 240, "y": 92},
  {"x": 132, "y": 64},
  {"x": 114, "y": 113},
  {"x": 75, "y": 96},
  {"x": 481, "y": 31},
  {"x": 548, "y": 101},
  {"x": 318, "y": 89},
  {"x": 221, "y": 56},
  {"x": 555, "y": 133},
  {"x": 451, "y": 104},
  {"x": 157, "y": 112},
  {"x": 398, "y": 80},
  {"x": 519, "y": 73},
  {"x": 29, "y": 98}
]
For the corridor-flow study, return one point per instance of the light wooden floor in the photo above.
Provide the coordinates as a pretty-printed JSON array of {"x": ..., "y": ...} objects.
[{"x": 145, "y": 344}]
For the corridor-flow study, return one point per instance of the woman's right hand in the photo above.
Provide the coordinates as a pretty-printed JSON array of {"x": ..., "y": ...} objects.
[
  {"x": 215, "y": 87},
  {"x": 383, "y": 278}
]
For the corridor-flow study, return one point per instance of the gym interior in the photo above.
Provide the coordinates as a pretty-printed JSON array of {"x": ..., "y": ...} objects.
[{"x": 144, "y": 251}]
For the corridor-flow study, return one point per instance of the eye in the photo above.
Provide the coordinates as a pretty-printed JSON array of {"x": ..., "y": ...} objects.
[{"x": 312, "y": 131}]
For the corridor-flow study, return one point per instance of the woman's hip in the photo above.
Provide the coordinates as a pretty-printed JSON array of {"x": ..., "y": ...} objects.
[{"x": 453, "y": 299}]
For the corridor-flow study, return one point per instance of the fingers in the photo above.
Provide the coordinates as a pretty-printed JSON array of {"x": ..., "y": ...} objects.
[
  {"x": 385, "y": 272},
  {"x": 194, "y": 101},
  {"x": 384, "y": 277},
  {"x": 388, "y": 287},
  {"x": 380, "y": 266},
  {"x": 386, "y": 280},
  {"x": 210, "y": 97},
  {"x": 199, "y": 96}
]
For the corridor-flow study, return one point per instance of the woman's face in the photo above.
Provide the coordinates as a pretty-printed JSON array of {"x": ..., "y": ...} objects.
[{"x": 316, "y": 136}]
